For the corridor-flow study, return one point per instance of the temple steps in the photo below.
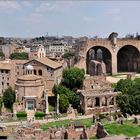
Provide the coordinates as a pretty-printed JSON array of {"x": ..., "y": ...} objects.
[{"x": 30, "y": 114}]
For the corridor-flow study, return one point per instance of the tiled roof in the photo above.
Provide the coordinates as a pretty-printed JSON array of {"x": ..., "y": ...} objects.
[
  {"x": 5, "y": 66},
  {"x": 48, "y": 62}
]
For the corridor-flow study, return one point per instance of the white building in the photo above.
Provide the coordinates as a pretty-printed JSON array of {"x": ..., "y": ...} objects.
[{"x": 37, "y": 51}]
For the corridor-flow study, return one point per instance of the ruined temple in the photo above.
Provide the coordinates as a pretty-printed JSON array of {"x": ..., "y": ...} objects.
[{"x": 97, "y": 95}]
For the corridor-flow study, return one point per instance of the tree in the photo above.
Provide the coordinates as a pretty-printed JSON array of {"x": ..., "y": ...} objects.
[
  {"x": 63, "y": 103},
  {"x": 8, "y": 97},
  {"x": 123, "y": 85},
  {"x": 129, "y": 99},
  {"x": 68, "y": 55},
  {"x": 17, "y": 55},
  {"x": 2, "y": 55},
  {"x": 73, "y": 98},
  {"x": 73, "y": 78}
]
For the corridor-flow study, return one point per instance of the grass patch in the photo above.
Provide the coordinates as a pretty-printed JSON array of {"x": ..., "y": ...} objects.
[
  {"x": 86, "y": 122},
  {"x": 128, "y": 129},
  {"x": 55, "y": 124}
]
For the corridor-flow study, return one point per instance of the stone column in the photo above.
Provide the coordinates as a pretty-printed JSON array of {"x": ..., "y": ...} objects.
[
  {"x": 57, "y": 109},
  {"x": 108, "y": 101},
  {"x": 47, "y": 104},
  {"x": 114, "y": 63},
  {"x": 114, "y": 100},
  {"x": 100, "y": 98}
]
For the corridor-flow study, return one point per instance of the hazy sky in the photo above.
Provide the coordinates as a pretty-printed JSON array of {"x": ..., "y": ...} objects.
[{"x": 30, "y": 18}]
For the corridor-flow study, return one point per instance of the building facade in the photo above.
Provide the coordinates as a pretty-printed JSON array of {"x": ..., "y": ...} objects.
[{"x": 37, "y": 51}]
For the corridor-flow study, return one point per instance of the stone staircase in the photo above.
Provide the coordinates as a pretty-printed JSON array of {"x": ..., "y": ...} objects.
[{"x": 30, "y": 114}]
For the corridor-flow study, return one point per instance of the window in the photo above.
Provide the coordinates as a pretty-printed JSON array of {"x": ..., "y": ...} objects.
[
  {"x": 6, "y": 71},
  {"x": 17, "y": 73},
  {"x": 2, "y": 83},
  {"x": 7, "y": 84},
  {"x": 34, "y": 72},
  {"x": 3, "y": 78},
  {"x": 40, "y": 72},
  {"x": 99, "y": 54},
  {"x": 2, "y": 71}
]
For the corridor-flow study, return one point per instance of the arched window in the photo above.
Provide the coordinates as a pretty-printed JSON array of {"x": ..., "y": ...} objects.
[
  {"x": 34, "y": 72},
  {"x": 40, "y": 72},
  {"x": 97, "y": 101},
  {"x": 99, "y": 54},
  {"x": 92, "y": 54}
]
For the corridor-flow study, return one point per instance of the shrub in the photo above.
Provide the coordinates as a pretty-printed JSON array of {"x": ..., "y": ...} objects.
[
  {"x": 39, "y": 114},
  {"x": 21, "y": 114}
]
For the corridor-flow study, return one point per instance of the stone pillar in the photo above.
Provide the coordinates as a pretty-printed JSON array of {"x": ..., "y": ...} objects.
[
  {"x": 114, "y": 100},
  {"x": 100, "y": 101},
  {"x": 47, "y": 104},
  {"x": 108, "y": 100},
  {"x": 57, "y": 109},
  {"x": 114, "y": 63}
]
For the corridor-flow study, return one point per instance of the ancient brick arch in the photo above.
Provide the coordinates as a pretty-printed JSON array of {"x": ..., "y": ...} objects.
[
  {"x": 128, "y": 59},
  {"x": 98, "y": 60},
  {"x": 106, "y": 43}
]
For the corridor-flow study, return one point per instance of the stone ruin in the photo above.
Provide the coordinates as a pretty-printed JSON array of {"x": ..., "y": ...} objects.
[{"x": 73, "y": 131}]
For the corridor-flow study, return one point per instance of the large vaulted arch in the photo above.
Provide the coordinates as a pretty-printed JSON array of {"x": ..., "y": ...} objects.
[
  {"x": 128, "y": 59},
  {"x": 98, "y": 60}
]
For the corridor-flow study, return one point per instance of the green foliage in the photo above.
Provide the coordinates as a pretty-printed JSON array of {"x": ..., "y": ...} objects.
[
  {"x": 129, "y": 99},
  {"x": 39, "y": 114},
  {"x": 2, "y": 54},
  {"x": 8, "y": 97},
  {"x": 73, "y": 78},
  {"x": 73, "y": 98},
  {"x": 22, "y": 56},
  {"x": 68, "y": 55},
  {"x": 64, "y": 103},
  {"x": 123, "y": 85},
  {"x": 21, "y": 114}
]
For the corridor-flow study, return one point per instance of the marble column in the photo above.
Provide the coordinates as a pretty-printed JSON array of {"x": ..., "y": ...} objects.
[
  {"x": 47, "y": 104},
  {"x": 100, "y": 101},
  {"x": 57, "y": 106}
]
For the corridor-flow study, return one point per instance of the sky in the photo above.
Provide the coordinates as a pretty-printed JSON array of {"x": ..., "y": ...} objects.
[{"x": 32, "y": 18}]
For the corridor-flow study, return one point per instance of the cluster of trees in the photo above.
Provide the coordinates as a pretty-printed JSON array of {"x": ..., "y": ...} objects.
[
  {"x": 17, "y": 55},
  {"x": 129, "y": 98},
  {"x": 72, "y": 80},
  {"x": 68, "y": 55}
]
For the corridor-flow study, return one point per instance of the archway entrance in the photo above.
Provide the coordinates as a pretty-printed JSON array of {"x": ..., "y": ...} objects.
[
  {"x": 98, "y": 61},
  {"x": 128, "y": 59}
]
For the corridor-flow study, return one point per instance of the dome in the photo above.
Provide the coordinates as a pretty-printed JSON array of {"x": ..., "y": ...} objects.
[{"x": 29, "y": 67}]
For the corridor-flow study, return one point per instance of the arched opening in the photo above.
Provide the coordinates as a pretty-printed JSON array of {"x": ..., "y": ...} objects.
[
  {"x": 34, "y": 72},
  {"x": 97, "y": 101},
  {"x": 98, "y": 61},
  {"x": 40, "y": 72},
  {"x": 128, "y": 59}
]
